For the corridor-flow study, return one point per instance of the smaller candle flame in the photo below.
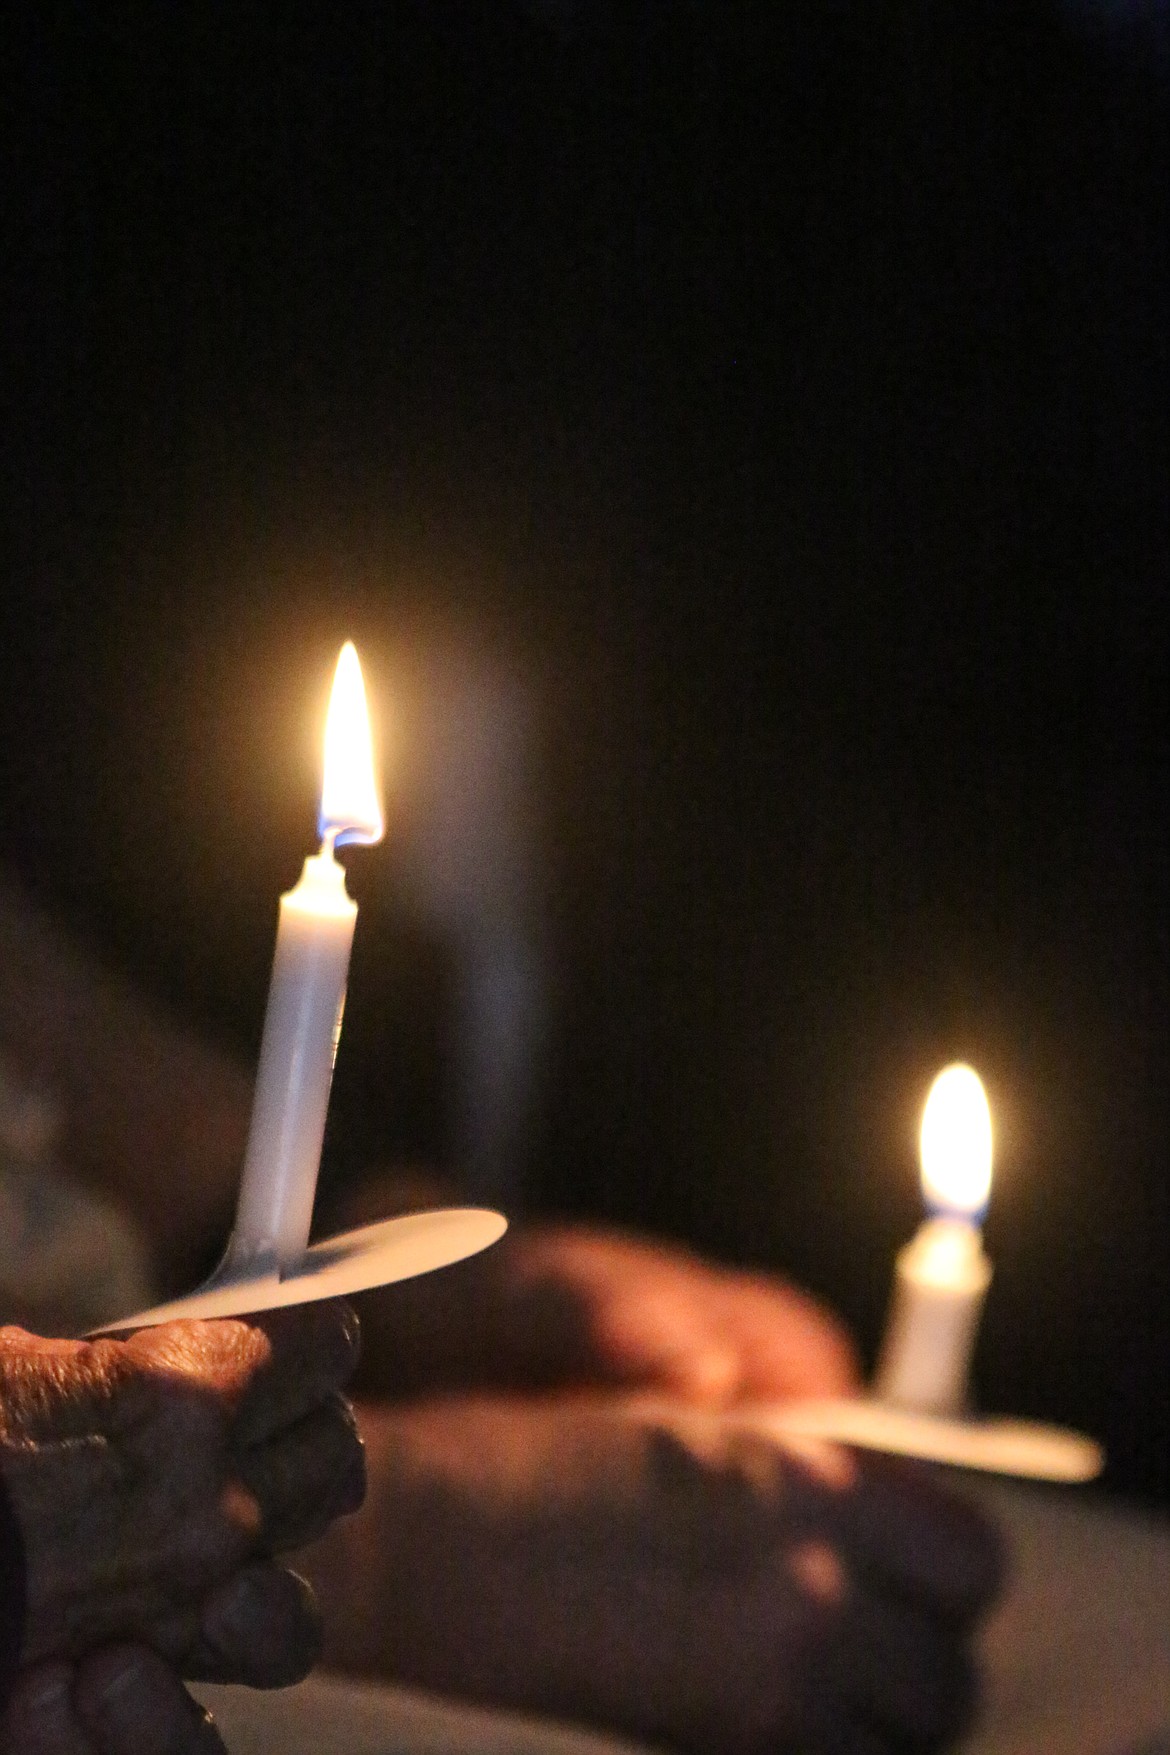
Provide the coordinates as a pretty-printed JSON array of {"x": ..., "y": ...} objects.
[
  {"x": 351, "y": 810},
  {"x": 956, "y": 1144}
]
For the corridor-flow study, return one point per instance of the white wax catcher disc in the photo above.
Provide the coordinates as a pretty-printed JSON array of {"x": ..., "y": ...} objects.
[
  {"x": 995, "y": 1445},
  {"x": 356, "y": 1261}
]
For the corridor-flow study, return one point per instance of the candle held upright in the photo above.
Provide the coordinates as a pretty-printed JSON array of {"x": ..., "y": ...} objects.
[
  {"x": 305, "y": 1001},
  {"x": 943, "y": 1273}
]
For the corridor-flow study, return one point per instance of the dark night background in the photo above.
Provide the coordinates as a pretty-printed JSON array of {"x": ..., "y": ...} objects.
[{"x": 784, "y": 389}]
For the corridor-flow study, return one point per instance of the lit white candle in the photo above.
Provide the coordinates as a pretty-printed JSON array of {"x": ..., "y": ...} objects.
[
  {"x": 305, "y": 1000},
  {"x": 943, "y": 1273}
]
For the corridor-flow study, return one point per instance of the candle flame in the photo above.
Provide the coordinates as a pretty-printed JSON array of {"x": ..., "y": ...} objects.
[
  {"x": 956, "y": 1143},
  {"x": 351, "y": 810}
]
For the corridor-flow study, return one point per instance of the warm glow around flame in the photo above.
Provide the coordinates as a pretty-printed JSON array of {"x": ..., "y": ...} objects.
[
  {"x": 351, "y": 809},
  {"x": 956, "y": 1142}
]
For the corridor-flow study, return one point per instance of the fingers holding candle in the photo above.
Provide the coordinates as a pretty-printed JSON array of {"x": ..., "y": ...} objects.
[
  {"x": 727, "y": 1593},
  {"x": 134, "y": 1475},
  {"x": 120, "y": 1700},
  {"x": 304, "y": 1357},
  {"x": 262, "y": 1629},
  {"x": 308, "y": 1476}
]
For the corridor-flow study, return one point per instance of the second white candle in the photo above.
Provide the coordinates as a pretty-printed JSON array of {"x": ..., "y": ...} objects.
[{"x": 943, "y": 1273}]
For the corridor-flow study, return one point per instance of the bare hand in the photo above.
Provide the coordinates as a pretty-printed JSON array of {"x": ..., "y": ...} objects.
[
  {"x": 558, "y": 1306},
  {"x": 593, "y": 1305},
  {"x": 672, "y": 1577},
  {"x": 147, "y": 1473},
  {"x": 261, "y": 1628}
]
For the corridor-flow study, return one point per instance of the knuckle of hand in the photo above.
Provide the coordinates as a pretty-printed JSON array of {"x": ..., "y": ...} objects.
[
  {"x": 168, "y": 1348},
  {"x": 306, "y": 1627},
  {"x": 266, "y": 1623},
  {"x": 103, "y": 1367},
  {"x": 334, "y": 1338},
  {"x": 245, "y": 1347},
  {"x": 220, "y": 1356},
  {"x": 213, "y": 1542},
  {"x": 240, "y": 1514},
  {"x": 340, "y": 1420},
  {"x": 819, "y": 1573},
  {"x": 346, "y": 1338},
  {"x": 335, "y": 1341}
]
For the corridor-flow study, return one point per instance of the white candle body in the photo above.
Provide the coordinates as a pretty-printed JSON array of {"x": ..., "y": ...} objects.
[
  {"x": 942, "y": 1279},
  {"x": 301, "y": 1030}
]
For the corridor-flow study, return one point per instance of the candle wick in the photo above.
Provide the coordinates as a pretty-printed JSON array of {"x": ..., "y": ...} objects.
[{"x": 328, "y": 843}]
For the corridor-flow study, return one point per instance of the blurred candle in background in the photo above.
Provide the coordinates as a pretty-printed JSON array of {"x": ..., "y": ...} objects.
[
  {"x": 469, "y": 862},
  {"x": 943, "y": 1273},
  {"x": 305, "y": 999}
]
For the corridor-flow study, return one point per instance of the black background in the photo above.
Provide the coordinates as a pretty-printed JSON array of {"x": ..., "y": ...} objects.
[{"x": 784, "y": 389}]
